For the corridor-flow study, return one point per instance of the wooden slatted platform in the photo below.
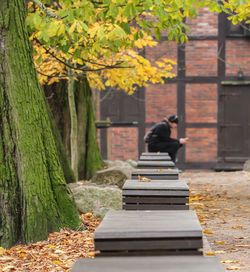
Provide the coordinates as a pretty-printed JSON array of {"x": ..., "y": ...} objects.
[
  {"x": 156, "y": 174},
  {"x": 127, "y": 233},
  {"x": 154, "y": 158},
  {"x": 155, "y": 195},
  {"x": 155, "y": 164},
  {"x": 149, "y": 264},
  {"x": 155, "y": 154}
]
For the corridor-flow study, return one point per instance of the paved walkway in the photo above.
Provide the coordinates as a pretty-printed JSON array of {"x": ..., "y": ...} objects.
[{"x": 222, "y": 202}]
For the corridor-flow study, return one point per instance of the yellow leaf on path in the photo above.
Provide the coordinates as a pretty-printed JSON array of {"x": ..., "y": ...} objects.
[
  {"x": 234, "y": 268},
  {"x": 208, "y": 232},
  {"x": 219, "y": 242},
  {"x": 228, "y": 261},
  {"x": 21, "y": 255},
  {"x": 57, "y": 262},
  {"x": 237, "y": 227},
  {"x": 242, "y": 245},
  {"x": 2, "y": 250},
  {"x": 145, "y": 179},
  {"x": 51, "y": 246},
  {"x": 210, "y": 253}
]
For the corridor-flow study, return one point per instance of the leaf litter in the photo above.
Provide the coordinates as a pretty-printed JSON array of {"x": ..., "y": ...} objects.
[{"x": 58, "y": 253}]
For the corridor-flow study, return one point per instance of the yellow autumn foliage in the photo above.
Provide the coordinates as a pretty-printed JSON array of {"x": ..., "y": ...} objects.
[{"x": 123, "y": 70}]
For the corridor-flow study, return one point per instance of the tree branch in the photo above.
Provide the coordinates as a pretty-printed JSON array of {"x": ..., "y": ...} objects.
[{"x": 46, "y": 10}]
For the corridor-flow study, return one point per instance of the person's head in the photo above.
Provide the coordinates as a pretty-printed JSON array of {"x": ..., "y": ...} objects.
[{"x": 173, "y": 120}]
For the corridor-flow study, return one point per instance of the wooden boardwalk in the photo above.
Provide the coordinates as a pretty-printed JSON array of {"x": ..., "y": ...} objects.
[
  {"x": 149, "y": 233},
  {"x": 156, "y": 174},
  {"x": 149, "y": 264},
  {"x": 155, "y": 164},
  {"x": 155, "y": 195},
  {"x": 156, "y": 231}
]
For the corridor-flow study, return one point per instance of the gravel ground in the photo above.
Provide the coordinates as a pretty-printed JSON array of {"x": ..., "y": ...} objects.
[{"x": 222, "y": 203}]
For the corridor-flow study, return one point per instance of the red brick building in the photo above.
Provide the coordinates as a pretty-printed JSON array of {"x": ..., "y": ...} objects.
[{"x": 210, "y": 94}]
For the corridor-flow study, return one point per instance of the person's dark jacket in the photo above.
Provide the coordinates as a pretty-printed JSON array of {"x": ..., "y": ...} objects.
[{"x": 161, "y": 133}]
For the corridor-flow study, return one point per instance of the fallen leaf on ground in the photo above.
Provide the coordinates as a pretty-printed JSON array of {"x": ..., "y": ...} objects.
[
  {"x": 242, "y": 245},
  {"x": 219, "y": 242},
  {"x": 228, "y": 261},
  {"x": 237, "y": 227},
  {"x": 210, "y": 253},
  {"x": 234, "y": 268},
  {"x": 2, "y": 250},
  {"x": 208, "y": 232}
]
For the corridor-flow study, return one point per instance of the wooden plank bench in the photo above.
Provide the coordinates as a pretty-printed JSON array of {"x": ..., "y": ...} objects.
[
  {"x": 150, "y": 233},
  {"x": 155, "y": 164},
  {"x": 149, "y": 264},
  {"x": 154, "y": 158},
  {"x": 154, "y": 154},
  {"x": 156, "y": 174},
  {"x": 155, "y": 195}
]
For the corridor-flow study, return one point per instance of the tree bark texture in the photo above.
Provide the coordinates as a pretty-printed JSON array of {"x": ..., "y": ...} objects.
[
  {"x": 34, "y": 196},
  {"x": 89, "y": 158}
]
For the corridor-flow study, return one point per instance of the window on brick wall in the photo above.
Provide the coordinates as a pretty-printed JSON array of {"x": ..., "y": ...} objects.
[{"x": 240, "y": 30}]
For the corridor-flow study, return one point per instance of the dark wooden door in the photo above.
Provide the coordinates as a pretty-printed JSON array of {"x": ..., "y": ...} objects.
[
  {"x": 234, "y": 126},
  {"x": 121, "y": 107}
]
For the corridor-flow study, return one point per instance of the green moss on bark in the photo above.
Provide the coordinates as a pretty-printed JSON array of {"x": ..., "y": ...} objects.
[
  {"x": 33, "y": 191},
  {"x": 90, "y": 159}
]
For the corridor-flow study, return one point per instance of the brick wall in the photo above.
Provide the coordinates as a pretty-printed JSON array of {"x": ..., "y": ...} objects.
[
  {"x": 237, "y": 56},
  {"x": 201, "y": 99},
  {"x": 202, "y": 145},
  {"x": 201, "y": 103},
  {"x": 201, "y": 58},
  {"x": 205, "y": 24},
  {"x": 123, "y": 143},
  {"x": 160, "y": 101}
]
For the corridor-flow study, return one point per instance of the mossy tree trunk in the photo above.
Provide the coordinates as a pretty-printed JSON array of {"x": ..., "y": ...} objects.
[
  {"x": 89, "y": 158},
  {"x": 34, "y": 196}
]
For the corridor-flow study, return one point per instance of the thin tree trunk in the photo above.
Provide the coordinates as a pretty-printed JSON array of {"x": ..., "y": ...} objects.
[
  {"x": 34, "y": 196},
  {"x": 64, "y": 160},
  {"x": 73, "y": 122},
  {"x": 90, "y": 159}
]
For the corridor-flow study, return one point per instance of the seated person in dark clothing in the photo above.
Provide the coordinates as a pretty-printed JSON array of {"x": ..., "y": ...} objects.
[{"x": 160, "y": 141}]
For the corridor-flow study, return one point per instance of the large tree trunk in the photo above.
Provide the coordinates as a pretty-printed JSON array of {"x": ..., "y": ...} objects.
[
  {"x": 89, "y": 158},
  {"x": 34, "y": 197}
]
